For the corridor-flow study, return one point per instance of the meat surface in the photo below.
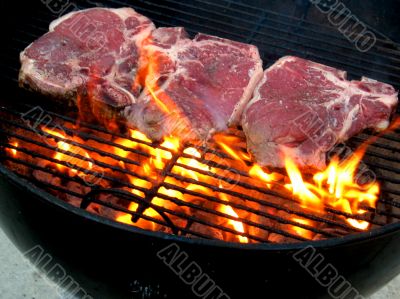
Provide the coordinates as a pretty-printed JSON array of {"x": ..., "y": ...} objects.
[
  {"x": 302, "y": 109},
  {"x": 92, "y": 52},
  {"x": 193, "y": 87}
]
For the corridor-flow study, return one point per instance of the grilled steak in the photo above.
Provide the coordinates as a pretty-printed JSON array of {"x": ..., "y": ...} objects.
[
  {"x": 193, "y": 87},
  {"x": 302, "y": 109},
  {"x": 97, "y": 49}
]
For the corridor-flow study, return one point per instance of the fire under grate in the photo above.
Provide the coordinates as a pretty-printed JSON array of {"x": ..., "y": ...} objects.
[{"x": 267, "y": 214}]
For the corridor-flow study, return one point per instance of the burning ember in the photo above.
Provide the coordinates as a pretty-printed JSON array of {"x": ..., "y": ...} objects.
[
  {"x": 335, "y": 187},
  {"x": 202, "y": 190},
  {"x": 13, "y": 151},
  {"x": 64, "y": 146}
]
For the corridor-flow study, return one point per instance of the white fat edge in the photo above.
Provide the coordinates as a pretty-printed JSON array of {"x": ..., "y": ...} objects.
[
  {"x": 224, "y": 42},
  {"x": 257, "y": 92},
  {"x": 172, "y": 52},
  {"x": 130, "y": 95},
  {"x": 388, "y": 100},
  {"x": 123, "y": 13},
  {"x": 350, "y": 89},
  {"x": 256, "y": 75},
  {"x": 58, "y": 21},
  {"x": 382, "y": 125},
  {"x": 27, "y": 66},
  {"x": 24, "y": 59},
  {"x": 126, "y": 12},
  {"x": 138, "y": 39},
  {"x": 256, "y": 97},
  {"x": 147, "y": 28},
  {"x": 22, "y": 54},
  {"x": 348, "y": 122},
  {"x": 281, "y": 61}
]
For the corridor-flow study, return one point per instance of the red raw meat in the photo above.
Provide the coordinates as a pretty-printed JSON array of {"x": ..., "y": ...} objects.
[
  {"x": 193, "y": 87},
  {"x": 303, "y": 109},
  {"x": 97, "y": 45}
]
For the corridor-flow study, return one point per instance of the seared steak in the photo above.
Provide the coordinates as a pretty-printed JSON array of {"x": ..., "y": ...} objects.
[
  {"x": 96, "y": 48},
  {"x": 193, "y": 87},
  {"x": 302, "y": 109}
]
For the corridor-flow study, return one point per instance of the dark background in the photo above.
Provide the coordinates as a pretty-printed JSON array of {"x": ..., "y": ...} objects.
[{"x": 382, "y": 15}]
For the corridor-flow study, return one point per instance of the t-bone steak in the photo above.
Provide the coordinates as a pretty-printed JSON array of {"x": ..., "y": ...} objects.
[
  {"x": 193, "y": 87},
  {"x": 302, "y": 109},
  {"x": 95, "y": 49}
]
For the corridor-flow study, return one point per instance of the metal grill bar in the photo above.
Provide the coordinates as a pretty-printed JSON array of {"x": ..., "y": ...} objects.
[
  {"x": 80, "y": 157},
  {"x": 202, "y": 160},
  {"x": 215, "y": 188},
  {"x": 252, "y": 199},
  {"x": 291, "y": 19},
  {"x": 202, "y": 148},
  {"x": 80, "y": 169},
  {"x": 162, "y": 210},
  {"x": 33, "y": 154},
  {"x": 242, "y": 20},
  {"x": 170, "y": 173},
  {"x": 375, "y": 165},
  {"x": 222, "y": 154}
]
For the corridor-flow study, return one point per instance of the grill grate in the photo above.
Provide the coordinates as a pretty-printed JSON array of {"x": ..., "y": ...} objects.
[
  {"x": 251, "y": 192},
  {"x": 276, "y": 35}
]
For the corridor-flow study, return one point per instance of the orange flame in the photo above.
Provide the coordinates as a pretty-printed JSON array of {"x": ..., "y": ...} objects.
[
  {"x": 158, "y": 101},
  {"x": 237, "y": 225},
  {"x": 226, "y": 143},
  {"x": 301, "y": 231},
  {"x": 70, "y": 159},
  {"x": 149, "y": 73},
  {"x": 13, "y": 151},
  {"x": 131, "y": 144},
  {"x": 193, "y": 163},
  {"x": 156, "y": 161},
  {"x": 336, "y": 187},
  {"x": 257, "y": 172},
  {"x": 301, "y": 189}
]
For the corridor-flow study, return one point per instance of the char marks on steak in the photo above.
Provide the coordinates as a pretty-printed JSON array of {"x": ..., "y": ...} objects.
[
  {"x": 96, "y": 48},
  {"x": 193, "y": 87},
  {"x": 302, "y": 109}
]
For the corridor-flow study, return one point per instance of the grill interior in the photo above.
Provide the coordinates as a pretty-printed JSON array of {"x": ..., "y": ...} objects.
[
  {"x": 276, "y": 35},
  {"x": 271, "y": 209}
]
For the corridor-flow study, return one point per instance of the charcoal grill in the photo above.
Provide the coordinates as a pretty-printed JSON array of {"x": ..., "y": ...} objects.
[{"x": 111, "y": 259}]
